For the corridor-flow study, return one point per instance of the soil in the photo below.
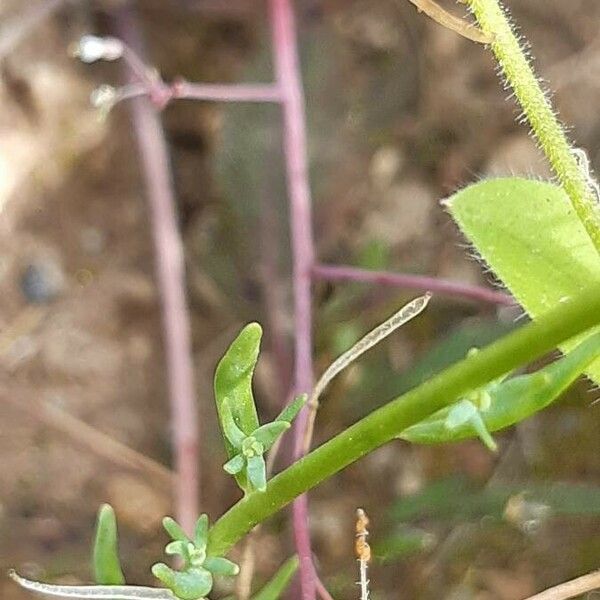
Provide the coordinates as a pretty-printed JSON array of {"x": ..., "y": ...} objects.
[{"x": 401, "y": 113}]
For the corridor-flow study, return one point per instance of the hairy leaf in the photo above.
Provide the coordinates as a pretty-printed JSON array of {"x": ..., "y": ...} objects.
[{"x": 529, "y": 234}]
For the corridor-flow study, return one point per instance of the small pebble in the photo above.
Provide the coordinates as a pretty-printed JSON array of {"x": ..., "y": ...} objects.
[{"x": 42, "y": 281}]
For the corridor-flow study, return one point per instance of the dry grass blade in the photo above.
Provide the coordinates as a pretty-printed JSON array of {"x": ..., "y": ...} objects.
[
  {"x": 467, "y": 30},
  {"x": 570, "y": 589},
  {"x": 92, "y": 592},
  {"x": 405, "y": 314}
]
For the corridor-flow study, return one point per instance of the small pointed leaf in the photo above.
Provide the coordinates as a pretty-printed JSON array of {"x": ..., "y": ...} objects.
[
  {"x": 257, "y": 473},
  {"x": 107, "y": 567},
  {"x": 233, "y": 382},
  {"x": 482, "y": 432},
  {"x": 233, "y": 434},
  {"x": 267, "y": 434},
  {"x": 235, "y": 465},
  {"x": 175, "y": 530},
  {"x": 201, "y": 532},
  {"x": 221, "y": 566},
  {"x": 290, "y": 412},
  {"x": 460, "y": 413},
  {"x": 177, "y": 548}
]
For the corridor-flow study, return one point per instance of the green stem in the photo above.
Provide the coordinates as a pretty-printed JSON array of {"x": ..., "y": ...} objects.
[
  {"x": 384, "y": 424},
  {"x": 551, "y": 136}
]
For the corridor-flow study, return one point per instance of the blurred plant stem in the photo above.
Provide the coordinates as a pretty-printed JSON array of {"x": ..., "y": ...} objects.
[
  {"x": 289, "y": 80},
  {"x": 170, "y": 273},
  {"x": 407, "y": 281}
]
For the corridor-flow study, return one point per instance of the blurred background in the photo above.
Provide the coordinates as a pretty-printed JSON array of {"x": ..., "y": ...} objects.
[{"x": 401, "y": 113}]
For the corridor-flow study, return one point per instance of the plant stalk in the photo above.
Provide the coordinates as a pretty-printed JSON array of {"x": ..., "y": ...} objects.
[
  {"x": 289, "y": 82},
  {"x": 170, "y": 276},
  {"x": 384, "y": 424},
  {"x": 517, "y": 69}
]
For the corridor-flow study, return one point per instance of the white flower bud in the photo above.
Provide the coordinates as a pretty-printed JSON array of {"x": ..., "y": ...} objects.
[
  {"x": 92, "y": 48},
  {"x": 104, "y": 97}
]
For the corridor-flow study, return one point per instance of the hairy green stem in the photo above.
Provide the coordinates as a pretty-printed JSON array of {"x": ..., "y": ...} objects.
[
  {"x": 384, "y": 424},
  {"x": 517, "y": 69}
]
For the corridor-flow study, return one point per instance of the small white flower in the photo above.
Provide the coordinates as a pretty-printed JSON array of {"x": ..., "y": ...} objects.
[
  {"x": 104, "y": 97},
  {"x": 92, "y": 48}
]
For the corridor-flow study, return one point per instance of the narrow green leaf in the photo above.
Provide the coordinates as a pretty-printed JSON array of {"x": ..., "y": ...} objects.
[
  {"x": 275, "y": 588},
  {"x": 257, "y": 473},
  {"x": 233, "y": 382},
  {"x": 233, "y": 434},
  {"x": 178, "y": 548},
  {"x": 267, "y": 434},
  {"x": 234, "y": 465},
  {"x": 107, "y": 567},
  {"x": 221, "y": 566},
  {"x": 529, "y": 234},
  {"x": 173, "y": 528},
  {"x": 290, "y": 412},
  {"x": 201, "y": 532},
  {"x": 512, "y": 400}
]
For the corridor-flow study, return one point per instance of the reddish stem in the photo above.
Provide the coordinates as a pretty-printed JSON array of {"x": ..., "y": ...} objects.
[
  {"x": 413, "y": 282},
  {"x": 227, "y": 93},
  {"x": 287, "y": 72},
  {"x": 170, "y": 273}
]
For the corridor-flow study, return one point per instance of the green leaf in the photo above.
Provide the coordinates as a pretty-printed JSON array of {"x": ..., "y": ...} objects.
[
  {"x": 257, "y": 473},
  {"x": 233, "y": 382},
  {"x": 280, "y": 581},
  {"x": 221, "y": 566},
  {"x": 233, "y": 434},
  {"x": 512, "y": 400},
  {"x": 201, "y": 532},
  {"x": 267, "y": 434},
  {"x": 290, "y": 412},
  {"x": 234, "y": 465},
  {"x": 529, "y": 234},
  {"x": 107, "y": 567},
  {"x": 177, "y": 547},
  {"x": 192, "y": 584},
  {"x": 173, "y": 528}
]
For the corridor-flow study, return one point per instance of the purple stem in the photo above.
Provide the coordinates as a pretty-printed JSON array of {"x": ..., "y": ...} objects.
[
  {"x": 287, "y": 73},
  {"x": 170, "y": 273},
  {"x": 147, "y": 81},
  {"x": 227, "y": 93},
  {"x": 413, "y": 282}
]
